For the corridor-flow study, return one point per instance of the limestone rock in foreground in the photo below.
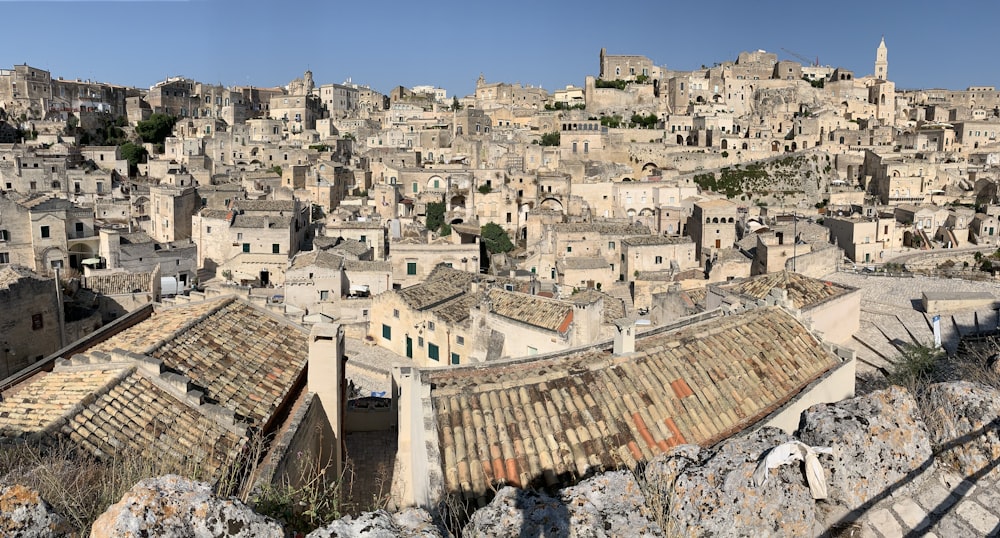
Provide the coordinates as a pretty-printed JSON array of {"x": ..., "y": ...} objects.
[
  {"x": 963, "y": 420},
  {"x": 175, "y": 507},
  {"x": 880, "y": 445},
  {"x": 610, "y": 504},
  {"x": 411, "y": 523},
  {"x": 717, "y": 496},
  {"x": 24, "y": 514}
]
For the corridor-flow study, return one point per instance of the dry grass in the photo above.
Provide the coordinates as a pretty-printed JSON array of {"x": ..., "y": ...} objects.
[{"x": 80, "y": 487}]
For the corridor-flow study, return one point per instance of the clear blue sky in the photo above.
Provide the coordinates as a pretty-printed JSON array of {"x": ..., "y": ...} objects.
[{"x": 448, "y": 43}]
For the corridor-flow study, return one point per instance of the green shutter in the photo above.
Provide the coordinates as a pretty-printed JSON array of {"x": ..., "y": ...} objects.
[
  {"x": 432, "y": 351},
  {"x": 386, "y": 332}
]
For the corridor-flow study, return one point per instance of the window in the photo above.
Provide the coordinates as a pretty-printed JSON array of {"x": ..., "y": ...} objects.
[
  {"x": 246, "y": 247},
  {"x": 455, "y": 359},
  {"x": 364, "y": 239},
  {"x": 4, "y": 257},
  {"x": 420, "y": 341},
  {"x": 411, "y": 268},
  {"x": 37, "y": 323},
  {"x": 569, "y": 248},
  {"x": 395, "y": 313},
  {"x": 79, "y": 227},
  {"x": 208, "y": 230},
  {"x": 611, "y": 245},
  {"x": 4, "y": 235},
  {"x": 239, "y": 236},
  {"x": 430, "y": 325},
  {"x": 275, "y": 248},
  {"x": 432, "y": 352},
  {"x": 45, "y": 232},
  {"x": 460, "y": 340},
  {"x": 324, "y": 295},
  {"x": 386, "y": 332},
  {"x": 658, "y": 260}
]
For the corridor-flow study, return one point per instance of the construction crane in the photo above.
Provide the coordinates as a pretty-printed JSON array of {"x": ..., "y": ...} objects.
[{"x": 802, "y": 58}]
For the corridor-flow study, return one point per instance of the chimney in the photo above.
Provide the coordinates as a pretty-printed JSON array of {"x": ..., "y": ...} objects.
[
  {"x": 325, "y": 379},
  {"x": 624, "y": 336}
]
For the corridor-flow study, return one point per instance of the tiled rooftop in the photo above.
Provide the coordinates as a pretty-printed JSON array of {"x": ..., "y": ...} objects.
[
  {"x": 549, "y": 314},
  {"x": 363, "y": 265},
  {"x": 351, "y": 246},
  {"x": 549, "y": 421},
  {"x": 803, "y": 291},
  {"x": 604, "y": 228},
  {"x": 614, "y": 307},
  {"x": 119, "y": 283},
  {"x": 264, "y": 205},
  {"x": 137, "y": 415},
  {"x": 431, "y": 293},
  {"x": 581, "y": 263},
  {"x": 240, "y": 356},
  {"x": 317, "y": 258},
  {"x": 264, "y": 221},
  {"x": 650, "y": 240},
  {"x": 49, "y": 397},
  {"x": 215, "y": 213}
]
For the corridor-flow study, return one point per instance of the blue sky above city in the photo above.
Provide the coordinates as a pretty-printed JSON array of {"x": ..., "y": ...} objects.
[{"x": 449, "y": 43}]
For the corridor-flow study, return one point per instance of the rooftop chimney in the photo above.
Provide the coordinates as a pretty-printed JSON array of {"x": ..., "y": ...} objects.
[{"x": 624, "y": 336}]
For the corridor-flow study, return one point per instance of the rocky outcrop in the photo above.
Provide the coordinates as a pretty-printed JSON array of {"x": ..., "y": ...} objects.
[
  {"x": 880, "y": 445},
  {"x": 412, "y": 523},
  {"x": 717, "y": 497},
  {"x": 23, "y": 513},
  {"x": 610, "y": 504},
  {"x": 963, "y": 420},
  {"x": 175, "y": 507}
]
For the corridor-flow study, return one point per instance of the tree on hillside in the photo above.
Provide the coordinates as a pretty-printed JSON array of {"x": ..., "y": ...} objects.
[
  {"x": 134, "y": 154},
  {"x": 156, "y": 129},
  {"x": 455, "y": 105},
  {"x": 435, "y": 216},
  {"x": 495, "y": 238},
  {"x": 550, "y": 139}
]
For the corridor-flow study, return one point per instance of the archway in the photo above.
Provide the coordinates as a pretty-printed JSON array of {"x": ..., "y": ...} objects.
[
  {"x": 551, "y": 203},
  {"x": 725, "y": 144},
  {"x": 774, "y": 146},
  {"x": 457, "y": 202},
  {"x": 680, "y": 140}
]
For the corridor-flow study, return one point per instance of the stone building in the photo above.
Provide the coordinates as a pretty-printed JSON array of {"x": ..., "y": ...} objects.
[
  {"x": 625, "y": 67},
  {"x": 43, "y": 233},
  {"x": 713, "y": 227},
  {"x": 25, "y": 90},
  {"x": 609, "y": 380},
  {"x": 30, "y": 321},
  {"x": 178, "y": 386},
  {"x": 654, "y": 253},
  {"x": 300, "y": 107}
]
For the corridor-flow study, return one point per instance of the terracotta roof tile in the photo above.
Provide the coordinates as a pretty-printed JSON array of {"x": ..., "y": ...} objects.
[
  {"x": 550, "y": 314},
  {"x": 546, "y": 421},
  {"x": 803, "y": 291}
]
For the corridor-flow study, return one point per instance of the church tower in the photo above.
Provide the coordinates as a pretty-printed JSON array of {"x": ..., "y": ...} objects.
[{"x": 882, "y": 61}]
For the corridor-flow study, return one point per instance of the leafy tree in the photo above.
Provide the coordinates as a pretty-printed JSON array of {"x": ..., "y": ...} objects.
[
  {"x": 445, "y": 229},
  {"x": 612, "y": 122},
  {"x": 134, "y": 154},
  {"x": 641, "y": 79},
  {"x": 485, "y": 188},
  {"x": 435, "y": 216},
  {"x": 550, "y": 139},
  {"x": 276, "y": 169},
  {"x": 496, "y": 238},
  {"x": 156, "y": 129}
]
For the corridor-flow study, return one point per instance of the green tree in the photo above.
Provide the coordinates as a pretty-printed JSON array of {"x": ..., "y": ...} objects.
[
  {"x": 134, "y": 154},
  {"x": 435, "y": 216},
  {"x": 485, "y": 188},
  {"x": 455, "y": 105},
  {"x": 550, "y": 139},
  {"x": 496, "y": 238},
  {"x": 156, "y": 129}
]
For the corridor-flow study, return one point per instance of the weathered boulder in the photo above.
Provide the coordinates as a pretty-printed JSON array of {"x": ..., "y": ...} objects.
[
  {"x": 661, "y": 472},
  {"x": 717, "y": 496},
  {"x": 880, "y": 445},
  {"x": 963, "y": 420},
  {"x": 520, "y": 512},
  {"x": 172, "y": 506},
  {"x": 609, "y": 504},
  {"x": 24, "y": 514},
  {"x": 411, "y": 523}
]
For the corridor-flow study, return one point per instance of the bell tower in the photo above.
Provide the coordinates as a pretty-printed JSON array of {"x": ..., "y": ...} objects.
[{"x": 882, "y": 61}]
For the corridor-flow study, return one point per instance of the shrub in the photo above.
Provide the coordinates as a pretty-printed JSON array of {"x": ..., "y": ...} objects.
[{"x": 915, "y": 366}]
